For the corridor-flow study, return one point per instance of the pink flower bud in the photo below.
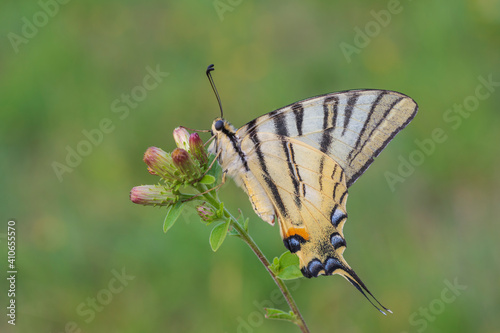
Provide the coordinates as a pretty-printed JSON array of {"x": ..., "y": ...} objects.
[
  {"x": 159, "y": 163},
  {"x": 181, "y": 159},
  {"x": 153, "y": 195},
  {"x": 190, "y": 170},
  {"x": 197, "y": 149},
  {"x": 181, "y": 137}
]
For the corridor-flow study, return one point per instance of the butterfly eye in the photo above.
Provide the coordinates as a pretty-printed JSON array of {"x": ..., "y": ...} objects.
[{"x": 219, "y": 124}]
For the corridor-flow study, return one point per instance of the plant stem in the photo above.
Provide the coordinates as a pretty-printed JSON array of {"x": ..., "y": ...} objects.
[{"x": 245, "y": 236}]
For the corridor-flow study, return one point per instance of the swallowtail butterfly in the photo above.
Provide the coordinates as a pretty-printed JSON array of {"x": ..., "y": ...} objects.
[{"x": 297, "y": 163}]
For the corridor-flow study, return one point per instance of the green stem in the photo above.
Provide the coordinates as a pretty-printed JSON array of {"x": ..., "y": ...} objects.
[{"x": 245, "y": 236}]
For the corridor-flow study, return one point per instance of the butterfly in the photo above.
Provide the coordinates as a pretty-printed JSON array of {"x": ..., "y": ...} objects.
[{"x": 297, "y": 163}]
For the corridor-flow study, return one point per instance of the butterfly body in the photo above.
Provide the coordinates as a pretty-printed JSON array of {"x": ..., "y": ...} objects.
[{"x": 296, "y": 164}]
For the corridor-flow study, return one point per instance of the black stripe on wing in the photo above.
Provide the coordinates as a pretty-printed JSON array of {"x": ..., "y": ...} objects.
[
  {"x": 236, "y": 147},
  {"x": 292, "y": 170},
  {"x": 298, "y": 111},
  {"x": 367, "y": 121},
  {"x": 348, "y": 110},
  {"x": 328, "y": 123},
  {"x": 384, "y": 144},
  {"x": 269, "y": 182}
]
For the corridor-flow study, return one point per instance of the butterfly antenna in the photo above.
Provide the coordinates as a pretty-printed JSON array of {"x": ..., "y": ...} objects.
[
  {"x": 196, "y": 130},
  {"x": 212, "y": 83}
]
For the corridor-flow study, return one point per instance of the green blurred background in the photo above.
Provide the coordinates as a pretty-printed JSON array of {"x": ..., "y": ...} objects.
[{"x": 436, "y": 225}]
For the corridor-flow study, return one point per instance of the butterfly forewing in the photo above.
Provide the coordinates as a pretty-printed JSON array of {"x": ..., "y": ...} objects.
[{"x": 351, "y": 127}]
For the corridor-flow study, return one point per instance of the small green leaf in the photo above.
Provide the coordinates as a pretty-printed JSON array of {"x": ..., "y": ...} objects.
[
  {"x": 218, "y": 234},
  {"x": 207, "y": 180},
  {"x": 275, "y": 266},
  {"x": 220, "y": 211},
  {"x": 289, "y": 267},
  {"x": 276, "y": 262},
  {"x": 216, "y": 170},
  {"x": 286, "y": 267},
  {"x": 173, "y": 214},
  {"x": 280, "y": 314},
  {"x": 288, "y": 259},
  {"x": 290, "y": 273}
]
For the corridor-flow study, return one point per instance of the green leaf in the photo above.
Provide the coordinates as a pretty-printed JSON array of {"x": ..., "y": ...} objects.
[
  {"x": 218, "y": 234},
  {"x": 275, "y": 266},
  {"x": 288, "y": 259},
  {"x": 286, "y": 267},
  {"x": 220, "y": 211},
  {"x": 290, "y": 273},
  {"x": 276, "y": 262},
  {"x": 280, "y": 314},
  {"x": 216, "y": 170},
  {"x": 173, "y": 214},
  {"x": 207, "y": 180},
  {"x": 289, "y": 267}
]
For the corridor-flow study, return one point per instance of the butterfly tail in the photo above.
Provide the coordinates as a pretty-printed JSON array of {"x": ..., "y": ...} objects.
[{"x": 353, "y": 278}]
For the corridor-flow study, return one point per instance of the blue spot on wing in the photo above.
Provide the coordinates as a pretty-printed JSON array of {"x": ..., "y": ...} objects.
[
  {"x": 332, "y": 265},
  {"x": 314, "y": 267},
  {"x": 337, "y": 240},
  {"x": 337, "y": 216},
  {"x": 293, "y": 243}
]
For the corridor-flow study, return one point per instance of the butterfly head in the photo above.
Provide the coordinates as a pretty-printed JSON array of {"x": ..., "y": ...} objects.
[{"x": 220, "y": 125}]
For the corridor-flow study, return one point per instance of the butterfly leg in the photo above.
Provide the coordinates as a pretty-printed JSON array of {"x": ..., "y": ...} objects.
[{"x": 211, "y": 165}]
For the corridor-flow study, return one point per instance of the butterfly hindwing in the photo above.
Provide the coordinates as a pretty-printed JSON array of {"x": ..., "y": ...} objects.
[{"x": 309, "y": 202}]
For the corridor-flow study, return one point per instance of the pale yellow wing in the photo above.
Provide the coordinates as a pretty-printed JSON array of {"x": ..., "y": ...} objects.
[
  {"x": 351, "y": 127},
  {"x": 309, "y": 201}
]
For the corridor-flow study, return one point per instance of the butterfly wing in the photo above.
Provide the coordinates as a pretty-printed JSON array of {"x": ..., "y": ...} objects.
[
  {"x": 302, "y": 158},
  {"x": 351, "y": 127},
  {"x": 310, "y": 203}
]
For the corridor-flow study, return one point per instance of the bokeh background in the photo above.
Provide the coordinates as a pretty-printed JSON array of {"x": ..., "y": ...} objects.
[{"x": 66, "y": 68}]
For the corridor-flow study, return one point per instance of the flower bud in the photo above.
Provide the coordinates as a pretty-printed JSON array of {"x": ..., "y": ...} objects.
[
  {"x": 153, "y": 195},
  {"x": 197, "y": 149},
  {"x": 189, "y": 168},
  {"x": 181, "y": 137},
  {"x": 182, "y": 160},
  {"x": 206, "y": 212},
  {"x": 159, "y": 163},
  {"x": 186, "y": 165}
]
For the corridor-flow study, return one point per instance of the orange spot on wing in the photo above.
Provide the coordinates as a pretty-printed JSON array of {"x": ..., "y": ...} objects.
[{"x": 297, "y": 231}]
